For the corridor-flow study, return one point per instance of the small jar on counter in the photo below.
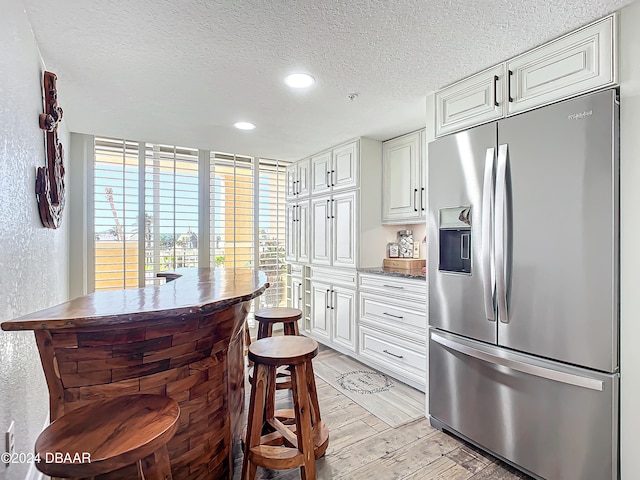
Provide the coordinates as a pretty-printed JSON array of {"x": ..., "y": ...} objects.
[{"x": 405, "y": 243}]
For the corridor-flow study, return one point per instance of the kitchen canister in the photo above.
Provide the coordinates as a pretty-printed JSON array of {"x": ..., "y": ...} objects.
[{"x": 405, "y": 243}]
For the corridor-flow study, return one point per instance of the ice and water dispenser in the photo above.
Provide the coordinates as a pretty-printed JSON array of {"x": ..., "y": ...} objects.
[{"x": 455, "y": 240}]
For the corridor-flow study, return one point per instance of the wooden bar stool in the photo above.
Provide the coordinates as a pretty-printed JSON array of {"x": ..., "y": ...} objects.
[
  {"x": 106, "y": 435},
  {"x": 266, "y": 318},
  {"x": 306, "y": 437}
]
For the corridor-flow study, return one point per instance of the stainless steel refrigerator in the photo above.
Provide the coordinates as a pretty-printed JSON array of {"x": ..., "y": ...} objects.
[{"x": 523, "y": 288}]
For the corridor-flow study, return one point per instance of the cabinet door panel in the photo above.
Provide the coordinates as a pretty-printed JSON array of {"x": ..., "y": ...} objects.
[
  {"x": 291, "y": 233},
  {"x": 321, "y": 231},
  {"x": 291, "y": 181},
  {"x": 321, "y": 173},
  {"x": 320, "y": 311},
  {"x": 302, "y": 226},
  {"x": 401, "y": 179},
  {"x": 344, "y": 170},
  {"x": 343, "y": 208},
  {"x": 343, "y": 310},
  {"x": 576, "y": 63},
  {"x": 472, "y": 101},
  {"x": 303, "y": 178}
]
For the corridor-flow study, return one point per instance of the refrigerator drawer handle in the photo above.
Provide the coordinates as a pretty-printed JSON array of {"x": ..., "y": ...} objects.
[{"x": 542, "y": 372}]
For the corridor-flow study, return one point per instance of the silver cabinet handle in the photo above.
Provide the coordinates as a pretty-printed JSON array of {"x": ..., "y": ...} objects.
[
  {"x": 326, "y": 298},
  {"x": 393, "y": 354},
  {"x": 333, "y": 181},
  {"x": 333, "y": 208},
  {"x": 415, "y": 199},
  {"x": 392, "y": 315},
  {"x": 393, "y": 286},
  {"x": 328, "y": 209},
  {"x": 486, "y": 249},
  {"x": 542, "y": 372},
  {"x": 422, "y": 202},
  {"x": 499, "y": 233},
  {"x": 333, "y": 298}
]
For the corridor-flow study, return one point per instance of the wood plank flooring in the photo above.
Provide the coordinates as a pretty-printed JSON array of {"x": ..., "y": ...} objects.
[{"x": 363, "y": 447}]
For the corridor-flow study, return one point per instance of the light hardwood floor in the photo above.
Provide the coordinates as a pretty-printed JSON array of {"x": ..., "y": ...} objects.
[{"x": 362, "y": 447}]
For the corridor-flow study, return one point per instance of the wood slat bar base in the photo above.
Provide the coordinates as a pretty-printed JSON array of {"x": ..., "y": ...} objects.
[
  {"x": 297, "y": 436},
  {"x": 109, "y": 435}
]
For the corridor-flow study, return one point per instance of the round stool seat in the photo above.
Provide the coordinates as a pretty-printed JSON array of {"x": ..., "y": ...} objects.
[
  {"x": 267, "y": 317},
  {"x": 284, "y": 350},
  {"x": 107, "y": 435},
  {"x": 278, "y": 314}
]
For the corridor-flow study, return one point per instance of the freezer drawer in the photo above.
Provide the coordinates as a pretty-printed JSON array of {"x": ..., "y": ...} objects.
[{"x": 558, "y": 422}]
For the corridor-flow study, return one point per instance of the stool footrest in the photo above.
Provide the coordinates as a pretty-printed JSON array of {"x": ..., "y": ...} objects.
[{"x": 275, "y": 457}]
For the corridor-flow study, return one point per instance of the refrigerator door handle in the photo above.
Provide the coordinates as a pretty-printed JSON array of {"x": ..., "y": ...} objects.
[
  {"x": 542, "y": 372},
  {"x": 486, "y": 249},
  {"x": 499, "y": 233}
]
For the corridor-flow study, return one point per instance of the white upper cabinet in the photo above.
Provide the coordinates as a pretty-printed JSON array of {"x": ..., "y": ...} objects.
[
  {"x": 344, "y": 171},
  {"x": 298, "y": 180},
  {"x": 403, "y": 185},
  {"x": 335, "y": 169},
  {"x": 581, "y": 61},
  {"x": 474, "y": 100},
  {"x": 333, "y": 226},
  {"x": 297, "y": 232}
]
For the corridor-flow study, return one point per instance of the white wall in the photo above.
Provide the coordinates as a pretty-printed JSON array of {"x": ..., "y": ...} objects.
[
  {"x": 33, "y": 259},
  {"x": 629, "y": 240}
]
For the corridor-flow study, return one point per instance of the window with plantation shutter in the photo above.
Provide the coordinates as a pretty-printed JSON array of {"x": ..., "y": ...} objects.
[
  {"x": 231, "y": 210},
  {"x": 115, "y": 216},
  {"x": 171, "y": 209},
  {"x": 247, "y": 208},
  {"x": 271, "y": 231},
  {"x": 147, "y": 216}
]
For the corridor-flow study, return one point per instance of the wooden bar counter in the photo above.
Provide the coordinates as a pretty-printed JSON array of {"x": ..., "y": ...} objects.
[{"x": 183, "y": 339}]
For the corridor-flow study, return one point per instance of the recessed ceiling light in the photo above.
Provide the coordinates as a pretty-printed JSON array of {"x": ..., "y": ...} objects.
[
  {"x": 299, "y": 80},
  {"x": 244, "y": 125}
]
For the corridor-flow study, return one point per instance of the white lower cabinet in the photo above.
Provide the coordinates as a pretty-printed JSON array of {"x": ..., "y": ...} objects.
[
  {"x": 392, "y": 326},
  {"x": 405, "y": 357},
  {"x": 333, "y": 308}
]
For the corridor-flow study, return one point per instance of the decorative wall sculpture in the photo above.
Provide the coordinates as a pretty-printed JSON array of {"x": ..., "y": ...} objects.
[{"x": 50, "y": 178}]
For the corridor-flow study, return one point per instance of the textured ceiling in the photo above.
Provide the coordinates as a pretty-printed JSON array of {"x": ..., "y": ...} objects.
[{"x": 183, "y": 71}]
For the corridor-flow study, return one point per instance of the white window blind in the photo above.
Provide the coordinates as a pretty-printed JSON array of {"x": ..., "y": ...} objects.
[
  {"x": 115, "y": 216},
  {"x": 171, "y": 209},
  {"x": 231, "y": 206},
  {"x": 247, "y": 208},
  {"x": 271, "y": 231}
]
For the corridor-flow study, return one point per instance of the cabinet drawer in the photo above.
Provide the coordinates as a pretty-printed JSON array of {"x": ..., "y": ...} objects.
[
  {"x": 295, "y": 269},
  {"x": 393, "y": 313},
  {"x": 405, "y": 357},
  {"x": 346, "y": 277},
  {"x": 416, "y": 289}
]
